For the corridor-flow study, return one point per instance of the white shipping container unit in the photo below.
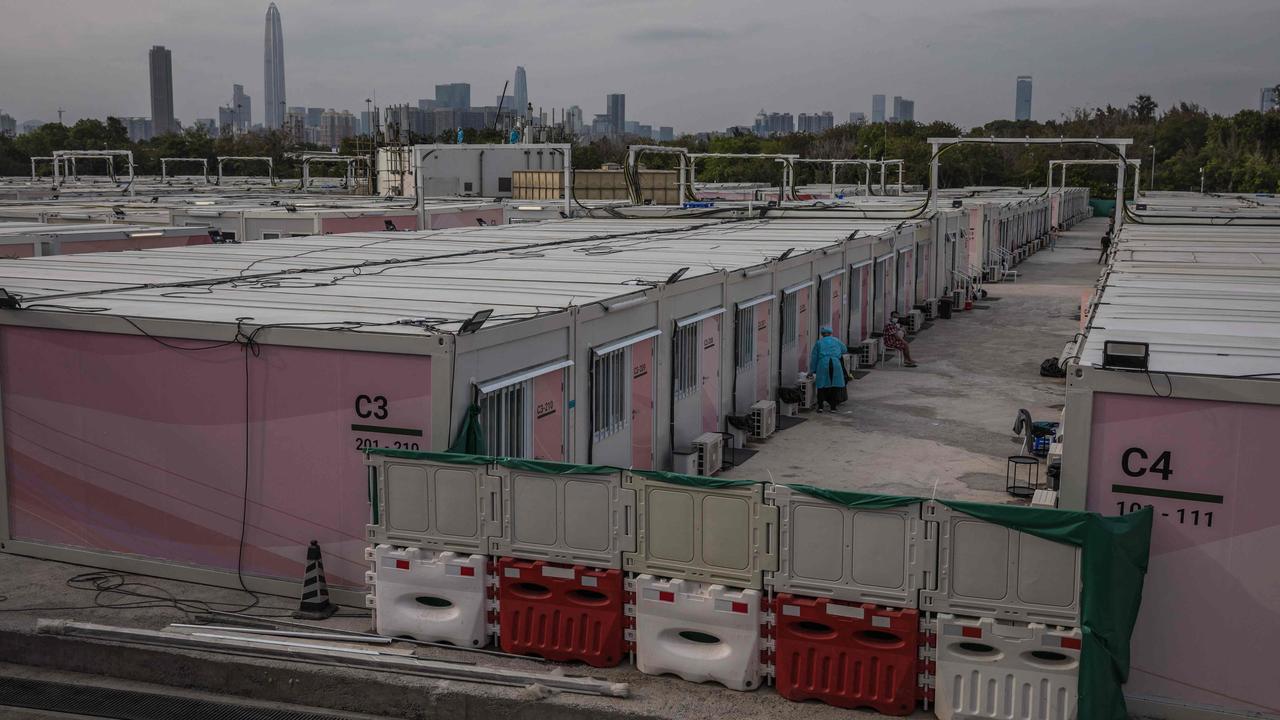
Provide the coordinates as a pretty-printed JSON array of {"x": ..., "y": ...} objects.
[
  {"x": 616, "y": 341},
  {"x": 1173, "y": 402}
]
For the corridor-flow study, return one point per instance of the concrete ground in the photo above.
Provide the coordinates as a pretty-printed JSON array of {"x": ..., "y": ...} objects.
[
  {"x": 36, "y": 589},
  {"x": 945, "y": 427}
]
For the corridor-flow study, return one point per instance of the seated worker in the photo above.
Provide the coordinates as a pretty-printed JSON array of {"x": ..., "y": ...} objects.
[
  {"x": 895, "y": 338},
  {"x": 827, "y": 369}
]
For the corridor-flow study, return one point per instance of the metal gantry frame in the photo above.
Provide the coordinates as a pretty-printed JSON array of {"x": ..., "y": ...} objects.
[
  {"x": 271, "y": 165},
  {"x": 43, "y": 158},
  {"x": 1120, "y": 145},
  {"x": 788, "y": 165},
  {"x": 1135, "y": 162},
  {"x": 867, "y": 163},
  {"x": 351, "y": 160},
  {"x": 61, "y": 158},
  {"x": 164, "y": 166}
]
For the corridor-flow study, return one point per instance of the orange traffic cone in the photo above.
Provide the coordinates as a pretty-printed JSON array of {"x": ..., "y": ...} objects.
[{"x": 315, "y": 591}]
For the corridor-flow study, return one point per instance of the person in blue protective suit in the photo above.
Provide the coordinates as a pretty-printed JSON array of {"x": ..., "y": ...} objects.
[{"x": 827, "y": 369}]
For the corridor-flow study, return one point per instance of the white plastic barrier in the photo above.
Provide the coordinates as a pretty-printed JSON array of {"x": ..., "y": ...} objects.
[
  {"x": 989, "y": 669},
  {"x": 428, "y": 595},
  {"x": 698, "y": 631}
]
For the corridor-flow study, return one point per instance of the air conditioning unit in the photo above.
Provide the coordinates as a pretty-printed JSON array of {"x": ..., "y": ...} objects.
[
  {"x": 764, "y": 419},
  {"x": 868, "y": 352},
  {"x": 809, "y": 394},
  {"x": 913, "y": 320},
  {"x": 709, "y": 451},
  {"x": 850, "y": 361}
]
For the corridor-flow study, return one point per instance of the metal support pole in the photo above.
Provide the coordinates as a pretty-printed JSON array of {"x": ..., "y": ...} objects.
[
  {"x": 902, "y": 167},
  {"x": 833, "y": 179},
  {"x": 933, "y": 174},
  {"x": 1120, "y": 168},
  {"x": 883, "y": 187}
]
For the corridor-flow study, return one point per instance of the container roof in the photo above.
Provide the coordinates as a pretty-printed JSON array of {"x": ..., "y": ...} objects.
[
  {"x": 1206, "y": 299},
  {"x": 436, "y": 279}
]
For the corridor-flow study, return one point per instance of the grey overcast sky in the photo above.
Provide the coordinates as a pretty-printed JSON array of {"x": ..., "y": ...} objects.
[{"x": 697, "y": 65}]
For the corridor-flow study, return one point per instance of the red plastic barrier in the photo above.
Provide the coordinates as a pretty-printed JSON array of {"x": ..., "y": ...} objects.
[
  {"x": 848, "y": 655},
  {"x": 560, "y": 612}
]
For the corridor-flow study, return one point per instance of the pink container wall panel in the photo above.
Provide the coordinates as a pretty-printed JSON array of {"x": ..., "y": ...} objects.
[
  {"x": 764, "y": 352},
  {"x": 466, "y": 218},
  {"x": 837, "y": 307},
  {"x": 549, "y": 416},
  {"x": 17, "y": 250},
  {"x": 642, "y": 392},
  {"x": 117, "y": 443},
  {"x": 117, "y": 244},
  {"x": 709, "y": 368},
  {"x": 1210, "y": 617},
  {"x": 367, "y": 223}
]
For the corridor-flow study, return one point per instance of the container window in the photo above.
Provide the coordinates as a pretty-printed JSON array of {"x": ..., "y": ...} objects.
[
  {"x": 745, "y": 339},
  {"x": 824, "y": 302},
  {"x": 609, "y": 393},
  {"x": 504, "y": 417},
  {"x": 686, "y": 360}
]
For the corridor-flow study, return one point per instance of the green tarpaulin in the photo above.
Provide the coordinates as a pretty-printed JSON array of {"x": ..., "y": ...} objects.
[
  {"x": 857, "y": 499},
  {"x": 692, "y": 480},
  {"x": 470, "y": 436},
  {"x": 1114, "y": 554}
]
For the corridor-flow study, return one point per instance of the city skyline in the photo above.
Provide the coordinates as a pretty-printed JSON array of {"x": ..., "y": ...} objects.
[{"x": 347, "y": 61}]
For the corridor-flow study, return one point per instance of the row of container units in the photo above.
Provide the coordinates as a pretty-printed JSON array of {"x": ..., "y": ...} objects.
[
  {"x": 1173, "y": 401},
  {"x": 24, "y": 240},
  {"x": 265, "y": 216},
  {"x": 1206, "y": 209},
  {"x": 857, "y": 601},
  {"x": 135, "y": 385}
]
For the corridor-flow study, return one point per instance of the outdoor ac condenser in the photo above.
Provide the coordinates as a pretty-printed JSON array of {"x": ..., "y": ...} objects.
[
  {"x": 708, "y": 448},
  {"x": 764, "y": 419},
  {"x": 868, "y": 352},
  {"x": 808, "y": 394}
]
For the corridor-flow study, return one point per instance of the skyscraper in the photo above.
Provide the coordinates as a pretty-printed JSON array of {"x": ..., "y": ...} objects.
[
  {"x": 162, "y": 90},
  {"x": 907, "y": 110},
  {"x": 453, "y": 95},
  {"x": 877, "y": 108},
  {"x": 242, "y": 105},
  {"x": 521, "y": 97},
  {"x": 1268, "y": 99},
  {"x": 1022, "y": 110},
  {"x": 273, "y": 72},
  {"x": 616, "y": 104}
]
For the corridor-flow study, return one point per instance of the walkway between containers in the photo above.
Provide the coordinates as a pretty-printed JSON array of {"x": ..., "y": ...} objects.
[{"x": 948, "y": 422}]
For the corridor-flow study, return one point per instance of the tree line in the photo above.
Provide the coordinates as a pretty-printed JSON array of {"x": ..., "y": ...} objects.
[{"x": 1237, "y": 153}]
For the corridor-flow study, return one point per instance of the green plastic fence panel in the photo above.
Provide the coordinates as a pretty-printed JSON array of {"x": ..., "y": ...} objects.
[
  {"x": 443, "y": 457},
  {"x": 1115, "y": 552}
]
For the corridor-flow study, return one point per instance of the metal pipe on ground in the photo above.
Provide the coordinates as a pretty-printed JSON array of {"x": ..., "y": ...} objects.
[
  {"x": 374, "y": 661},
  {"x": 275, "y": 622}
]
